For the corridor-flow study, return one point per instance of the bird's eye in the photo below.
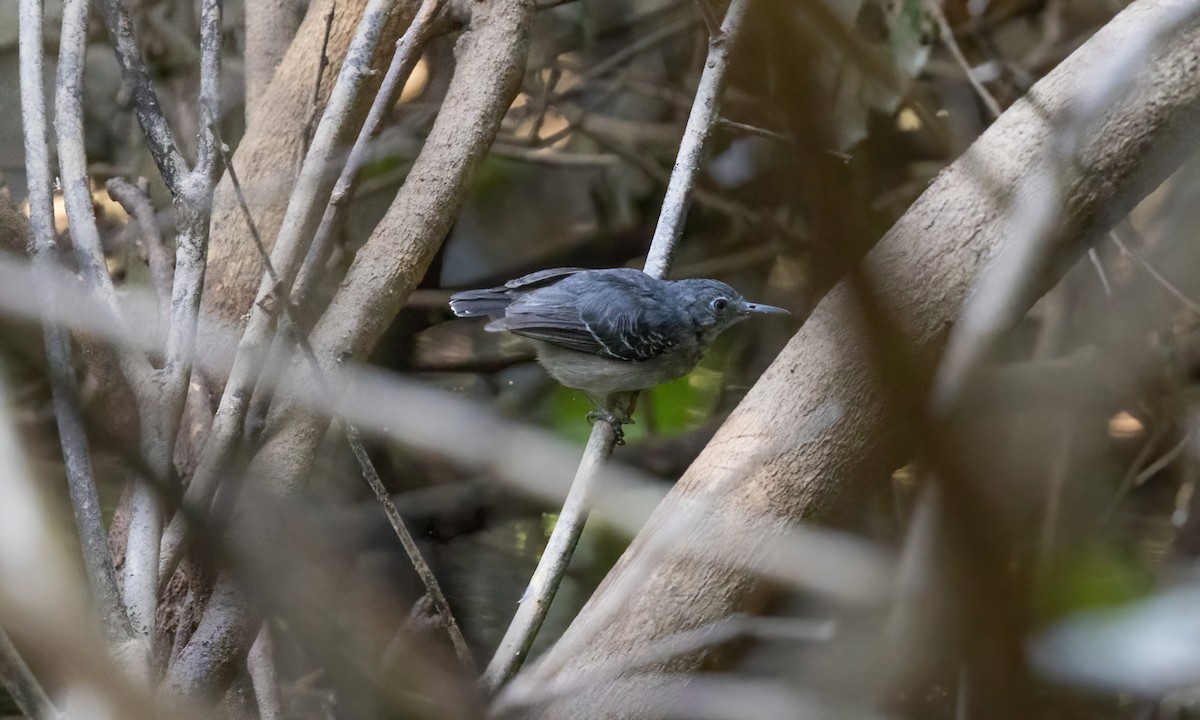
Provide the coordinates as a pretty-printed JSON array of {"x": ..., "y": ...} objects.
[{"x": 720, "y": 304}]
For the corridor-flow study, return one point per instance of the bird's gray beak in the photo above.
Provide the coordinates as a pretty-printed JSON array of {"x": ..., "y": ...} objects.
[{"x": 765, "y": 309}]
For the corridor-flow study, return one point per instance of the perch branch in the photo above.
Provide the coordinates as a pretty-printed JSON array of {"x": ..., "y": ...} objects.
[
  {"x": 534, "y": 605},
  {"x": 816, "y": 427}
]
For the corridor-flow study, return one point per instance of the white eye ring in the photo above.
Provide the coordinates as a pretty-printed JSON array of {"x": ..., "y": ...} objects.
[{"x": 720, "y": 304}]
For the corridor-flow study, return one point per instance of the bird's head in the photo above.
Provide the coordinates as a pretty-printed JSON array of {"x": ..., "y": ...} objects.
[{"x": 714, "y": 306}]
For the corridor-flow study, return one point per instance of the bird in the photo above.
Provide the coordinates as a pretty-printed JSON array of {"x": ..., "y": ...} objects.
[{"x": 611, "y": 331}]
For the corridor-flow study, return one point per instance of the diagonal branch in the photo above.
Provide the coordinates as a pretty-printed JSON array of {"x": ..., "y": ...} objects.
[
  {"x": 21, "y": 684},
  {"x": 490, "y": 59},
  {"x": 150, "y": 116},
  {"x": 817, "y": 426},
  {"x": 292, "y": 244},
  {"x": 534, "y": 605}
]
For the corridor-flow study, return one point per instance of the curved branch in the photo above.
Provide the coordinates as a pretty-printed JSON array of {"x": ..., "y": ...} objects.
[{"x": 818, "y": 423}]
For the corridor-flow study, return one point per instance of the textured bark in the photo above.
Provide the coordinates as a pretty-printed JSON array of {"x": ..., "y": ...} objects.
[
  {"x": 818, "y": 425},
  {"x": 490, "y": 62},
  {"x": 269, "y": 155}
]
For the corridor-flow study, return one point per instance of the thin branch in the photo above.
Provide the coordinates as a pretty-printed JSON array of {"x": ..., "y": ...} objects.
[
  {"x": 704, "y": 114},
  {"x": 140, "y": 592},
  {"x": 162, "y": 270},
  {"x": 1158, "y": 277},
  {"x": 154, "y": 124},
  {"x": 164, "y": 396},
  {"x": 21, "y": 684},
  {"x": 72, "y": 159},
  {"x": 531, "y": 611},
  {"x": 711, "y": 22},
  {"x": 947, "y": 33},
  {"x": 554, "y": 158},
  {"x": 408, "y": 52},
  {"x": 322, "y": 62},
  {"x": 291, "y": 246},
  {"x": 440, "y": 604},
  {"x": 65, "y": 395}
]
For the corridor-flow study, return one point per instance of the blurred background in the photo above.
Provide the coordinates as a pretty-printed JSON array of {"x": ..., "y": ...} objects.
[{"x": 836, "y": 117}]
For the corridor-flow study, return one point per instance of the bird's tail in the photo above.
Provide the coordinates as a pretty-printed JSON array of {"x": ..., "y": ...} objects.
[{"x": 480, "y": 303}]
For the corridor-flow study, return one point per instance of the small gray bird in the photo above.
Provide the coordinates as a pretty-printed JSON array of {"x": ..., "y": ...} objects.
[{"x": 611, "y": 331}]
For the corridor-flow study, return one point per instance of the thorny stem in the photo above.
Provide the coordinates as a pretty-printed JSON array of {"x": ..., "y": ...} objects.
[{"x": 534, "y": 605}]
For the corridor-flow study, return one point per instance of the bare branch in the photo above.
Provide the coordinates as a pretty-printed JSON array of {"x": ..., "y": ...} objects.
[
  {"x": 947, "y": 36},
  {"x": 162, "y": 270},
  {"x": 705, "y": 112},
  {"x": 408, "y": 52},
  {"x": 72, "y": 160},
  {"x": 432, "y": 587},
  {"x": 154, "y": 124},
  {"x": 72, "y": 437},
  {"x": 314, "y": 182},
  {"x": 531, "y": 611},
  {"x": 21, "y": 684}
]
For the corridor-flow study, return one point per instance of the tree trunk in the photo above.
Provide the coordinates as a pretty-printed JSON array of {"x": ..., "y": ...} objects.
[{"x": 819, "y": 424}]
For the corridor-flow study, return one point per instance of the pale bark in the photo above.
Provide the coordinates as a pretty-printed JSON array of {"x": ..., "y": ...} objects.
[
  {"x": 269, "y": 154},
  {"x": 270, "y": 27},
  {"x": 491, "y": 59},
  {"x": 818, "y": 425}
]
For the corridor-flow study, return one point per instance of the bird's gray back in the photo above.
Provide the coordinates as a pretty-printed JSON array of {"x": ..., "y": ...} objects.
[{"x": 622, "y": 314}]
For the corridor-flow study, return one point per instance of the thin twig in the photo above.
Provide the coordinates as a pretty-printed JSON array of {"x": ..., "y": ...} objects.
[
  {"x": 72, "y": 160},
  {"x": 711, "y": 22},
  {"x": 947, "y": 33},
  {"x": 440, "y": 604},
  {"x": 704, "y": 114},
  {"x": 162, "y": 270},
  {"x": 553, "y": 158},
  {"x": 531, "y": 611},
  {"x": 22, "y": 686},
  {"x": 72, "y": 437},
  {"x": 310, "y": 124},
  {"x": 1158, "y": 277},
  {"x": 408, "y": 52},
  {"x": 161, "y": 141}
]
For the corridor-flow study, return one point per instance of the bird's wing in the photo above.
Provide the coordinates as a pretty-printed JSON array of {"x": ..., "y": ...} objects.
[
  {"x": 535, "y": 279},
  {"x": 609, "y": 318}
]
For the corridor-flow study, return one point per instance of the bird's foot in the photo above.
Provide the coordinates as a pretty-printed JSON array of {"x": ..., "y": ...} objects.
[{"x": 613, "y": 420}]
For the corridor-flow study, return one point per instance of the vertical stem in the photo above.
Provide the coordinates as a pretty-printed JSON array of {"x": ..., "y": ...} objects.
[{"x": 84, "y": 499}]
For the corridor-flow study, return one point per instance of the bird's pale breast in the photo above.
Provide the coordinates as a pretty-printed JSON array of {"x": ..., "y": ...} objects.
[{"x": 603, "y": 376}]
